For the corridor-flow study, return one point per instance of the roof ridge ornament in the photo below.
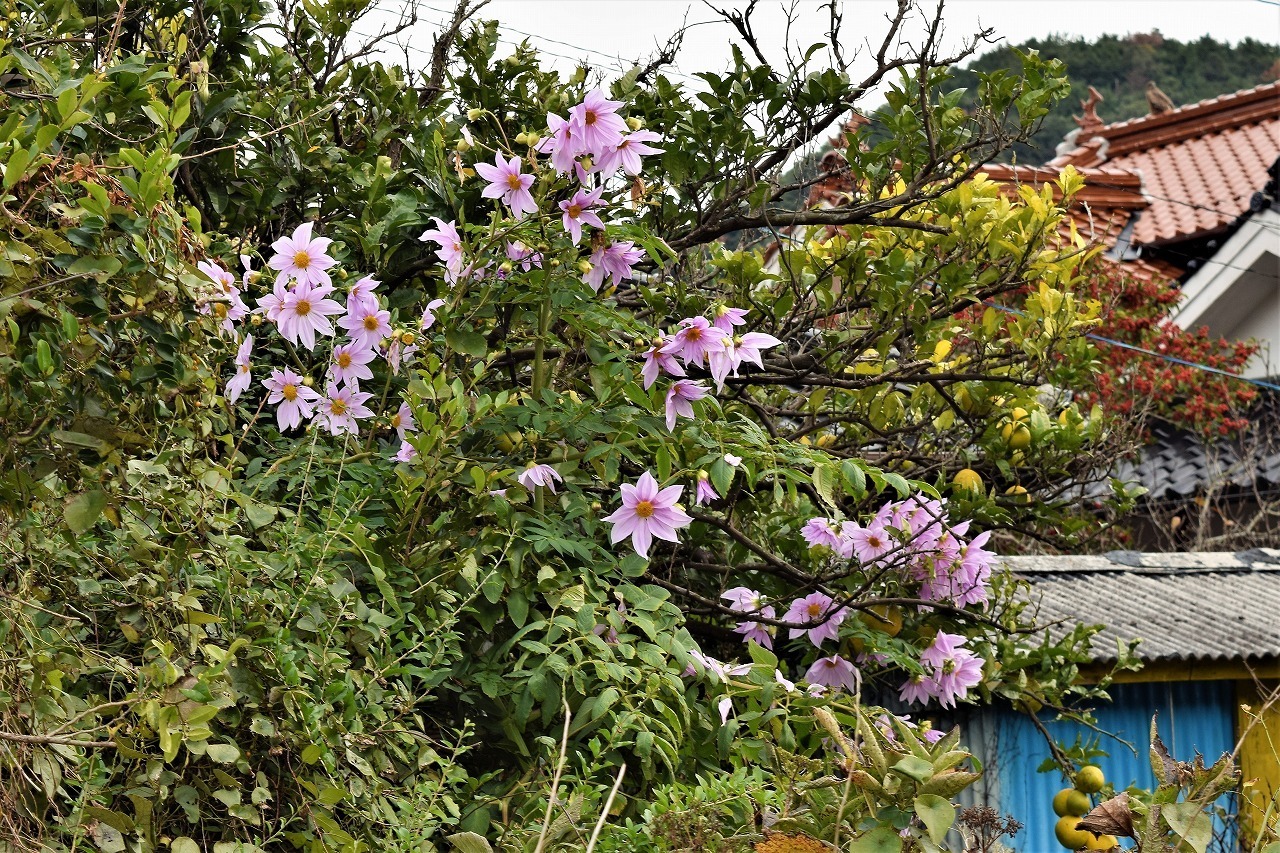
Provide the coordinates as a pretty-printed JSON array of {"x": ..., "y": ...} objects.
[{"x": 1090, "y": 123}]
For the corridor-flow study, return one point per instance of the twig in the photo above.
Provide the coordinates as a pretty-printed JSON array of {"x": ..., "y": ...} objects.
[{"x": 604, "y": 812}]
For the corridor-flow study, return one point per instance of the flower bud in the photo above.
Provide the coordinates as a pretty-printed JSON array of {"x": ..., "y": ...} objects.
[
  {"x": 407, "y": 338},
  {"x": 255, "y": 319},
  {"x": 462, "y": 146},
  {"x": 342, "y": 275},
  {"x": 634, "y": 123},
  {"x": 308, "y": 381},
  {"x": 584, "y": 266},
  {"x": 506, "y": 266},
  {"x": 474, "y": 113},
  {"x": 703, "y": 475},
  {"x": 522, "y": 138},
  {"x": 553, "y": 263}
]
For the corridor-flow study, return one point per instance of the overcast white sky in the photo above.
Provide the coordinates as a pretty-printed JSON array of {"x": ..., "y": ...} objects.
[{"x": 609, "y": 32}]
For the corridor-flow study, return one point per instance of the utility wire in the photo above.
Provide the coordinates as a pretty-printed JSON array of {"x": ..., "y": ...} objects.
[{"x": 1270, "y": 386}]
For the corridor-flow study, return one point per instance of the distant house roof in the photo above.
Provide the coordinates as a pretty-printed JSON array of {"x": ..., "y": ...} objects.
[
  {"x": 1178, "y": 465},
  {"x": 1184, "y": 607},
  {"x": 1200, "y": 164}
]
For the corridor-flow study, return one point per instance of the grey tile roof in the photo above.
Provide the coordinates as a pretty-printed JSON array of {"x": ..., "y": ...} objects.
[
  {"x": 1183, "y": 607},
  {"x": 1178, "y": 465}
]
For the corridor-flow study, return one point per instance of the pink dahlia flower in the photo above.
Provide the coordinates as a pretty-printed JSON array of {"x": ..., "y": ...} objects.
[
  {"x": 695, "y": 340},
  {"x": 368, "y": 326},
  {"x": 578, "y": 212},
  {"x": 535, "y": 474},
  {"x": 296, "y": 401},
  {"x": 816, "y": 610},
  {"x": 508, "y": 184},
  {"x": 656, "y": 359},
  {"x": 647, "y": 512},
  {"x": 680, "y": 397},
  {"x": 402, "y": 421},
  {"x": 239, "y": 383},
  {"x": 446, "y": 236},
  {"x": 305, "y": 312},
  {"x": 615, "y": 261},
  {"x": 429, "y": 315},
  {"x": 626, "y": 155},
  {"x": 834, "y": 672},
  {"x": 597, "y": 124},
  {"x": 361, "y": 295},
  {"x": 351, "y": 363},
  {"x": 302, "y": 257},
  {"x": 342, "y": 407}
]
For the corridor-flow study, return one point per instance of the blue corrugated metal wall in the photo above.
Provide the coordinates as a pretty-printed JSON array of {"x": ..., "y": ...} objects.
[{"x": 1194, "y": 716}]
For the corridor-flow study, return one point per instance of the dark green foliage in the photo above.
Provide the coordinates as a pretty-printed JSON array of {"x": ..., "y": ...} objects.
[{"x": 1120, "y": 67}]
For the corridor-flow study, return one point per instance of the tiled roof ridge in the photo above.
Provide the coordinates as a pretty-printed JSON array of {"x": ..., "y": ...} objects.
[
  {"x": 1210, "y": 115},
  {"x": 1149, "y": 563}
]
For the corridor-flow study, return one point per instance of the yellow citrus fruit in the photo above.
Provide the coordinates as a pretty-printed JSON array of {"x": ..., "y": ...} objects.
[
  {"x": 968, "y": 480},
  {"x": 1103, "y": 842},
  {"x": 1070, "y": 837},
  {"x": 884, "y": 618},
  {"x": 1090, "y": 779},
  {"x": 1019, "y": 414},
  {"x": 826, "y": 440},
  {"x": 1018, "y": 492},
  {"x": 1017, "y": 435},
  {"x": 1069, "y": 801},
  {"x": 508, "y": 442}
]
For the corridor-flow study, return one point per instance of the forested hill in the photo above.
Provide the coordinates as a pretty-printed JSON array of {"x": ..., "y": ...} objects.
[{"x": 1119, "y": 67}]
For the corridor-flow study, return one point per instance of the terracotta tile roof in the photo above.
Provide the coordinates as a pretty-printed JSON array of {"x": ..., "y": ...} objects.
[{"x": 1200, "y": 164}]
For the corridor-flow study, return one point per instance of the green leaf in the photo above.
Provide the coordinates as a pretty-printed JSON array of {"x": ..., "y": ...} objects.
[
  {"x": 223, "y": 753},
  {"x": 100, "y": 267},
  {"x": 469, "y": 842},
  {"x": 44, "y": 358},
  {"x": 937, "y": 814},
  {"x": 1191, "y": 822},
  {"x": 882, "y": 839},
  {"x": 184, "y": 844},
  {"x": 83, "y": 510},
  {"x": 914, "y": 767},
  {"x": 80, "y": 439},
  {"x": 16, "y": 167},
  {"x": 471, "y": 343}
]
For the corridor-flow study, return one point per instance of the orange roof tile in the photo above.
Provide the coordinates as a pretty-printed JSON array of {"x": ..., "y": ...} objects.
[{"x": 1200, "y": 164}]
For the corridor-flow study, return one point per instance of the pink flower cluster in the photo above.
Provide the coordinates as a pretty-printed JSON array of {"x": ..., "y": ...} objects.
[
  {"x": 709, "y": 344},
  {"x": 916, "y": 536},
  {"x": 302, "y": 310},
  {"x": 950, "y": 670}
]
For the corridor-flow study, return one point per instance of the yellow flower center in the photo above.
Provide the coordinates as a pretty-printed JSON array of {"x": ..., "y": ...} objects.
[
  {"x": 338, "y": 407},
  {"x": 513, "y": 181},
  {"x": 371, "y": 322},
  {"x": 344, "y": 360},
  {"x": 220, "y": 309},
  {"x": 590, "y": 118},
  {"x": 693, "y": 333},
  {"x": 303, "y": 308},
  {"x": 575, "y": 210},
  {"x": 814, "y": 610},
  {"x": 302, "y": 260},
  {"x": 244, "y": 368},
  {"x": 289, "y": 392},
  {"x": 644, "y": 509},
  {"x": 874, "y": 541},
  {"x": 395, "y": 421}
]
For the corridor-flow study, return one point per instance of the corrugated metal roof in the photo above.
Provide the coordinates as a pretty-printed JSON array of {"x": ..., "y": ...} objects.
[{"x": 1183, "y": 607}]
